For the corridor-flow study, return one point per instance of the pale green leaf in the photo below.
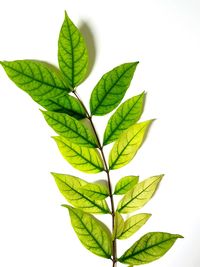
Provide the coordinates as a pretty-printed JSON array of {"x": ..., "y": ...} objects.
[
  {"x": 40, "y": 80},
  {"x": 70, "y": 188},
  {"x": 95, "y": 191},
  {"x": 72, "y": 53},
  {"x": 139, "y": 195},
  {"x": 118, "y": 225},
  {"x": 128, "y": 144},
  {"x": 125, "y": 184},
  {"x": 111, "y": 89},
  {"x": 63, "y": 104},
  {"x": 93, "y": 234},
  {"x": 126, "y": 115},
  {"x": 70, "y": 128},
  {"x": 133, "y": 224},
  {"x": 149, "y": 248},
  {"x": 82, "y": 158}
]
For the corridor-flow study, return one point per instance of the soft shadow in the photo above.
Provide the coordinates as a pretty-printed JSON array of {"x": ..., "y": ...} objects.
[{"x": 88, "y": 35}]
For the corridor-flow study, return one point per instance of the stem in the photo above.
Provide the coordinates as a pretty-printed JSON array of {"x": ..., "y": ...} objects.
[{"x": 100, "y": 147}]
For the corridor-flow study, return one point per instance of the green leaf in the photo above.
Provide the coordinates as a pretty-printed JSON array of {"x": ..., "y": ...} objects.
[
  {"x": 125, "y": 184},
  {"x": 126, "y": 115},
  {"x": 149, "y": 248},
  {"x": 118, "y": 225},
  {"x": 63, "y": 104},
  {"x": 82, "y": 158},
  {"x": 139, "y": 195},
  {"x": 72, "y": 53},
  {"x": 70, "y": 188},
  {"x": 128, "y": 144},
  {"x": 133, "y": 224},
  {"x": 95, "y": 191},
  {"x": 111, "y": 89},
  {"x": 70, "y": 128},
  {"x": 93, "y": 234},
  {"x": 40, "y": 80}
]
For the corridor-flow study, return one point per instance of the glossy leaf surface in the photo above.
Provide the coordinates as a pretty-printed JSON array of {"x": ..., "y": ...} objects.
[
  {"x": 95, "y": 191},
  {"x": 140, "y": 195},
  {"x": 111, "y": 89},
  {"x": 127, "y": 145},
  {"x": 70, "y": 188},
  {"x": 125, "y": 184},
  {"x": 93, "y": 234},
  {"x": 149, "y": 248},
  {"x": 126, "y": 115}
]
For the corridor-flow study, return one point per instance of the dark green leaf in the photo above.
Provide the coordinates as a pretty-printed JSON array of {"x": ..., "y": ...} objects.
[
  {"x": 128, "y": 144},
  {"x": 133, "y": 224},
  {"x": 82, "y": 158},
  {"x": 126, "y": 115},
  {"x": 139, "y": 195},
  {"x": 149, "y": 248},
  {"x": 70, "y": 188},
  {"x": 125, "y": 184},
  {"x": 70, "y": 128},
  {"x": 72, "y": 53},
  {"x": 93, "y": 234},
  {"x": 111, "y": 88},
  {"x": 38, "y": 79}
]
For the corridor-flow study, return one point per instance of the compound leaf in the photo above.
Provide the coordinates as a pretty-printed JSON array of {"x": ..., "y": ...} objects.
[
  {"x": 133, "y": 224},
  {"x": 125, "y": 184},
  {"x": 82, "y": 158},
  {"x": 118, "y": 225},
  {"x": 72, "y": 53},
  {"x": 128, "y": 144},
  {"x": 95, "y": 191},
  {"x": 111, "y": 89},
  {"x": 149, "y": 248},
  {"x": 70, "y": 128},
  {"x": 126, "y": 115},
  {"x": 70, "y": 187},
  {"x": 93, "y": 234},
  {"x": 40, "y": 80},
  {"x": 139, "y": 195}
]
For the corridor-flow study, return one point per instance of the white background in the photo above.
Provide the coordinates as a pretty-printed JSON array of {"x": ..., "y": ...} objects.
[{"x": 165, "y": 37}]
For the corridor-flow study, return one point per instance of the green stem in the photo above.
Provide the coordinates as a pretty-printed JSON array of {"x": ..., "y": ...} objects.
[{"x": 100, "y": 147}]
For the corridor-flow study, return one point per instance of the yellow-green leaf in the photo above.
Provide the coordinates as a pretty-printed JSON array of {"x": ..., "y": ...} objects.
[
  {"x": 93, "y": 234},
  {"x": 95, "y": 191},
  {"x": 70, "y": 188},
  {"x": 72, "y": 53},
  {"x": 82, "y": 158},
  {"x": 149, "y": 248},
  {"x": 139, "y": 195},
  {"x": 125, "y": 184},
  {"x": 126, "y": 115},
  {"x": 118, "y": 225},
  {"x": 70, "y": 128},
  {"x": 111, "y": 88},
  {"x": 133, "y": 224},
  {"x": 128, "y": 144}
]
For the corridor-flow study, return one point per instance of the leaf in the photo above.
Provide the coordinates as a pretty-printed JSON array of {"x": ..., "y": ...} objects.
[
  {"x": 133, "y": 224},
  {"x": 126, "y": 115},
  {"x": 95, "y": 191},
  {"x": 125, "y": 184},
  {"x": 63, "y": 104},
  {"x": 139, "y": 195},
  {"x": 40, "y": 80},
  {"x": 111, "y": 89},
  {"x": 93, "y": 234},
  {"x": 128, "y": 144},
  {"x": 70, "y": 128},
  {"x": 118, "y": 225},
  {"x": 70, "y": 188},
  {"x": 149, "y": 248},
  {"x": 72, "y": 53},
  {"x": 82, "y": 158}
]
